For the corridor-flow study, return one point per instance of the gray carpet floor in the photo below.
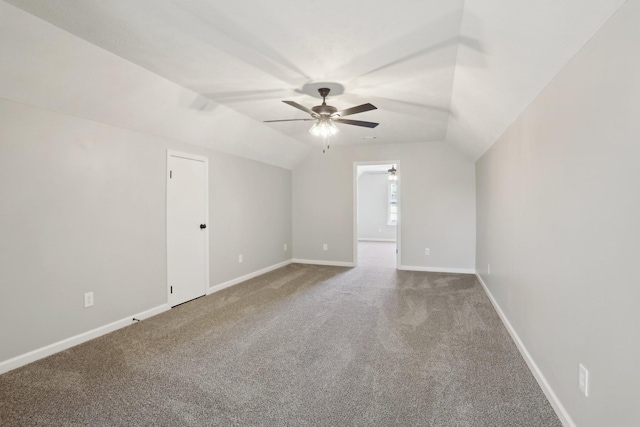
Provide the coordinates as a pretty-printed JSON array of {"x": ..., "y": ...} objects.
[{"x": 300, "y": 346}]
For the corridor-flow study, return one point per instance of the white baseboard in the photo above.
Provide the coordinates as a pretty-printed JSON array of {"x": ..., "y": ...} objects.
[
  {"x": 32, "y": 356},
  {"x": 65, "y": 344},
  {"x": 322, "y": 262},
  {"x": 437, "y": 269},
  {"x": 560, "y": 410},
  {"x": 373, "y": 239},
  {"x": 221, "y": 286}
]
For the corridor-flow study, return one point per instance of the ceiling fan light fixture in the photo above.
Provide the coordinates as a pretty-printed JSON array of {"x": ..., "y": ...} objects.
[
  {"x": 323, "y": 128},
  {"x": 392, "y": 173}
]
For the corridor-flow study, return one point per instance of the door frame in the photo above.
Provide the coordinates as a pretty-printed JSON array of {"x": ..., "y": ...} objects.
[
  {"x": 205, "y": 160},
  {"x": 355, "y": 207}
]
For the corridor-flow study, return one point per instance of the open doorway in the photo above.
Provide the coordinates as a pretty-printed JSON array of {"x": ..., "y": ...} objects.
[{"x": 376, "y": 225}]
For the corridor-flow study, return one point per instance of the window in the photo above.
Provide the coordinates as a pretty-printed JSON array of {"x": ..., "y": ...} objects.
[{"x": 392, "y": 205}]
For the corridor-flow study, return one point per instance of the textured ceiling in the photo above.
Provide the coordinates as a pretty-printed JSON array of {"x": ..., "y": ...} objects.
[{"x": 452, "y": 70}]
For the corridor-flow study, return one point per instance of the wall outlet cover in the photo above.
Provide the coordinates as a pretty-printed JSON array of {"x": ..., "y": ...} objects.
[{"x": 88, "y": 299}]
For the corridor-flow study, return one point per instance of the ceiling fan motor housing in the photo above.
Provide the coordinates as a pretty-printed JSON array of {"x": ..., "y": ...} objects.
[{"x": 324, "y": 110}]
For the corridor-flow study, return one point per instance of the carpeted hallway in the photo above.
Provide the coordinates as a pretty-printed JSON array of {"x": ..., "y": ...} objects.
[{"x": 300, "y": 346}]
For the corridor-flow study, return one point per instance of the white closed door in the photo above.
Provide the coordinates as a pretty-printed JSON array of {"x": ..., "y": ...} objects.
[{"x": 187, "y": 235}]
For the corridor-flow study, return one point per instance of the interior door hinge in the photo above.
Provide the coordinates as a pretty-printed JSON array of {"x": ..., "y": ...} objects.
[
  {"x": 171, "y": 289},
  {"x": 170, "y": 174}
]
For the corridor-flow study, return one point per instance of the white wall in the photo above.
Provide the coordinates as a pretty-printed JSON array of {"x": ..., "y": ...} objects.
[
  {"x": 559, "y": 222},
  {"x": 437, "y": 187},
  {"x": 250, "y": 210},
  {"x": 82, "y": 208},
  {"x": 373, "y": 203}
]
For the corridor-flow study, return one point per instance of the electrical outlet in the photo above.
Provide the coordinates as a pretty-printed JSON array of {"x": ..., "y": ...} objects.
[
  {"x": 488, "y": 269},
  {"x": 88, "y": 299},
  {"x": 325, "y": 247},
  {"x": 583, "y": 379},
  {"x": 427, "y": 251},
  {"x": 285, "y": 247},
  {"x": 240, "y": 259}
]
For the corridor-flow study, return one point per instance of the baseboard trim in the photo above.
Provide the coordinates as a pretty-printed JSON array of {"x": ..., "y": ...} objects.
[
  {"x": 41, "y": 353},
  {"x": 560, "y": 410},
  {"x": 437, "y": 269},
  {"x": 365, "y": 239},
  {"x": 229, "y": 283},
  {"x": 322, "y": 262}
]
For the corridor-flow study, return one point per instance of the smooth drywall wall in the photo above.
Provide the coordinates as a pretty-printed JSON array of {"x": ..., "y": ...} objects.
[
  {"x": 82, "y": 209},
  {"x": 437, "y": 186},
  {"x": 558, "y": 218},
  {"x": 373, "y": 203},
  {"x": 250, "y": 211}
]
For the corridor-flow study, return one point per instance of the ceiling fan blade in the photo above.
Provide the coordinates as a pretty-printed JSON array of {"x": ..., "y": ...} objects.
[
  {"x": 288, "y": 120},
  {"x": 356, "y": 123},
  {"x": 355, "y": 110},
  {"x": 300, "y": 107}
]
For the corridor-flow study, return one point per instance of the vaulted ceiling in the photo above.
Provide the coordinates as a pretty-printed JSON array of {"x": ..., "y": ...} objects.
[{"x": 454, "y": 70}]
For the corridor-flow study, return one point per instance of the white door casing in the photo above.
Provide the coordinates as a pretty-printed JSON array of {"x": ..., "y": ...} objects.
[
  {"x": 187, "y": 214},
  {"x": 355, "y": 208}
]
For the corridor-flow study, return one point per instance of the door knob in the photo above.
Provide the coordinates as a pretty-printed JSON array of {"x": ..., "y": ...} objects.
[{"x": 203, "y": 226}]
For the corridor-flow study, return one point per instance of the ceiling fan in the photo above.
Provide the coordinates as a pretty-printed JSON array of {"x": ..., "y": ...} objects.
[{"x": 326, "y": 115}]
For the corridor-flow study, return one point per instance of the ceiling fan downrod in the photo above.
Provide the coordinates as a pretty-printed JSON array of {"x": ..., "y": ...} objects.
[
  {"x": 323, "y": 93},
  {"x": 324, "y": 110}
]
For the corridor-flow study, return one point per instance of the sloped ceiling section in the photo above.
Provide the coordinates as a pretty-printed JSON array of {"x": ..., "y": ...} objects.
[
  {"x": 43, "y": 66},
  {"x": 524, "y": 45},
  {"x": 452, "y": 70}
]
